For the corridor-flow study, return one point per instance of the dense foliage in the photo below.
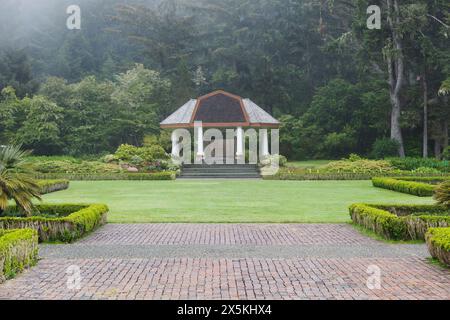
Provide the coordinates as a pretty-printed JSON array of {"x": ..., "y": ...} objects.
[
  {"x": 57, "y": 222},
  {"x": 337, "y": 86},
  {"x": 438, "y": 241},
  {"x": 16, "y": 181},
  {"x": 442, "y": 193},
  {"x": 18, "y": 250},
  {"x": 416, "y": 188},
  {"x": 399, "y": 222}
]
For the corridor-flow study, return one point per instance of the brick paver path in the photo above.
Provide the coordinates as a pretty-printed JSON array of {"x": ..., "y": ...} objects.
[{"x": 230, "y": 261}]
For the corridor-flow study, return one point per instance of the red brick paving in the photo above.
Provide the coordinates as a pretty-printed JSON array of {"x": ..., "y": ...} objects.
[
  {"x": 203, "y": 278},
  {"x": 226, "y": 234},
  {"x": 410, "y": 277}
]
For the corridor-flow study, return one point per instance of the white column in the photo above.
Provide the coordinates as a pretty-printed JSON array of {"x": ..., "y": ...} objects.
[
  {"x": 239, "y": 142},
  {"x": 175, "y": 147},
  {"x": 264, "y": 143},
  {"x": 200, "y": 141}
]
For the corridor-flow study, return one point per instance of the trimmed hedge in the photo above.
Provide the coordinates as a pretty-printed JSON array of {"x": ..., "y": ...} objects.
[
  {"x": 317, "y": 176},
  {"x": 425, "y": 179},
  {"x": 438, "y": 242},
  {"x": 18, "y": 250},
  {"x": 48, "y": 186},
  {"x": 320, "y": 174},
  {"x": 399, "y": 222},
  {"x": 165, "y": 175},
  {"x": 57, "y": 222},
  {"x": 401, "y": 185}
]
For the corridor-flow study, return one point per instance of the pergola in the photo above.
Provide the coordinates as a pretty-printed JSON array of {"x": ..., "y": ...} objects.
[{"x": 220, "y": 109}]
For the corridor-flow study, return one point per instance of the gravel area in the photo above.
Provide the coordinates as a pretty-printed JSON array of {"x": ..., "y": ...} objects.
[{"x": 232, "y": 251}]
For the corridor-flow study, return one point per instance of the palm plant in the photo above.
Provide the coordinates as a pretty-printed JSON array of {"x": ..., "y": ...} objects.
[{"x": 16, "y": 183}]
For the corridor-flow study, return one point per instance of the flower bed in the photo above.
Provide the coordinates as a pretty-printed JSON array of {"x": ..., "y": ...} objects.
[
  {"x": 18, "y": 250},
  {"x": 400, "y": 222},
  {"x": 57, "y": 222},
  {"x": 438, "y": 242}
]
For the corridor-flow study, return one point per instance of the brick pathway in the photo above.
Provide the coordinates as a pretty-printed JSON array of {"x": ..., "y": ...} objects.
[
  {"x": 258, "y": 268},
  {"x": 226, "y": 234}
]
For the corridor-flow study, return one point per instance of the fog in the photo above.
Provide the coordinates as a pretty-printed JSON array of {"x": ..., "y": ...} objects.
[{"x": 23, "y": 23}]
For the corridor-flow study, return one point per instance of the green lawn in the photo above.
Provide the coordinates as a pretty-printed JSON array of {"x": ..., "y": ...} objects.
[{"x": 228, "y": 201}]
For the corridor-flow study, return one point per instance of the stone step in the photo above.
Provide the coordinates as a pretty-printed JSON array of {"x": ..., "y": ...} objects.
[
  {"x": 224, "y": 170},
  {"x": 227, "y": 176},
  {"x": 220, "y": 171},
  {"x": 226, "y": 166}
]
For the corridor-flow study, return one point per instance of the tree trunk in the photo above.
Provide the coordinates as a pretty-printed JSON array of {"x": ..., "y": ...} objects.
[
  {"x": 395, "y": 62},
  {"x": 437, "y": 148},
  {"x": 425, "y": 116},
  {"x": 445, "y": 125},
  {"x": 445, "y": 134}
]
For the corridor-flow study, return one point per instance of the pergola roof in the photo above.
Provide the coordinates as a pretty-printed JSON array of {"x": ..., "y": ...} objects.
[{"x": 220, "y": 109}]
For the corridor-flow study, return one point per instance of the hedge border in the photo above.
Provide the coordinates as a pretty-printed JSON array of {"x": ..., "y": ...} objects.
[
  {"x": 165, "y": 175},
  {"x": 405, "y": 185},
  {"x": 18, "y": 250},
  {"x": 79, "y": 220},
  {"x": 438, "y": 243},
  {"x": 49, "y": 186},
  {"x": 286, "y": 175},
  {"x": 392, "y": 222}
]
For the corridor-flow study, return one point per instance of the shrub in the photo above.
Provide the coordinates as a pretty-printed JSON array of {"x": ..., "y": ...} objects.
[
  {"x": 411, "y": 187},
  {"x": 438, "y": 242},
  {"x": 126, "y": 152},
  {"x": 109, "y": 158},
  {"x": 57, "y": 222},
  {"x": 354, "y": 157},
  {"x": 446, "y": 154},
  {"x": 302, "y": 174},
  {"x": 409, "y": 164},
  {"x": 400, "y": 222},
  {"x": 379, "y": 221},
  {"x": 384, "y": 147},
  {"x": 136, "y": 161},
  {"x": 164, "y": 175},
  {"x": 442, "y": 193},
  {"x": 358, "y": 166},
  {"x": 18, "y": 250},
  {"x": 426, "y": 170},
  {"x": 48, "y": 186},
  {"x": 71, "y": 167},
  {"x": 152, "y": 153}
]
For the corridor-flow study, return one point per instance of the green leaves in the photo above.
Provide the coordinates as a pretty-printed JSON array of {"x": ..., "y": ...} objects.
[
  {"x": 442, "y": 193},
  {"x": 15, "y": 182}
]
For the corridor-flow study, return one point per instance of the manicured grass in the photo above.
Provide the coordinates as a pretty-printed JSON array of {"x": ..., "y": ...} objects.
[
  {"x": 228, "y": 201},
  {"x": 307, "y": 163}
]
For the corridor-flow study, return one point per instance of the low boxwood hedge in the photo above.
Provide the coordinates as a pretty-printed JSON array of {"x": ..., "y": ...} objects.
[
  {"x": 410, "y": 185},
  {"x": 57, "y": 222},
  {"x": 48, "y": 186},
  {"x": 320, "y": 174},
  {"x": 438, "y": 242},
  {"x": 164, "y": 175},
  {"x": 399, "y": 222},
  {"x": 18, "y": 250},
  {"x": 286, "y": 175}
]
